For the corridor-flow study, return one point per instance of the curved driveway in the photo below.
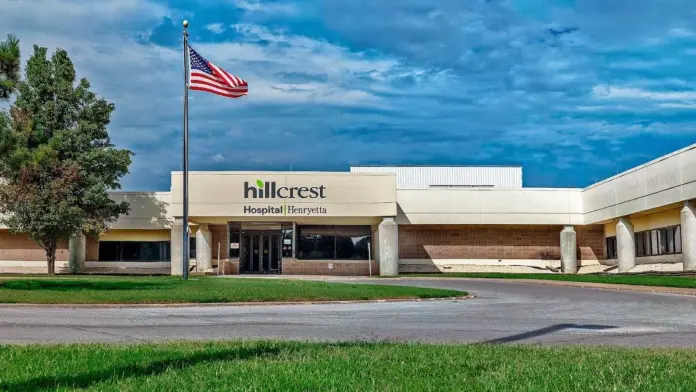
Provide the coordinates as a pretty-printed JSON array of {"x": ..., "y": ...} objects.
[{"x": 503, "y": 312}]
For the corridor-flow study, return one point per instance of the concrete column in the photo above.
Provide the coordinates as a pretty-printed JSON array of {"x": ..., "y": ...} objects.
[
  {"x": 204, "y": 252},
  {"x": 388, "y": 247},
  {"x": 77, "y": 252},
  {"x": 569, "y": 250},
  {"x": 176, "y": 247},
  {"x": 294, "y": 240},
  {"x": 375, "y": 245},
  {"x": 625, "y": 245},
  {"x": 688, "y": 232}
]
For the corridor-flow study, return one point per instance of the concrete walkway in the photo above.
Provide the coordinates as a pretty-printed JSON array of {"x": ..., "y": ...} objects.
[
  {"x": 609, "y": 286},
  {"x": 503, "y": 312}
]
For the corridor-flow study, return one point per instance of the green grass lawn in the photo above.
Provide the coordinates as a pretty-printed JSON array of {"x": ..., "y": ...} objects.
[
  {"x": 164, "y": 289},
  {"x": 646, "y": 280},
  {"x": 289, "y": 366}
]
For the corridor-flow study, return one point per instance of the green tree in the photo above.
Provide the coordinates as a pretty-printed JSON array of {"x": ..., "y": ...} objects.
[
  {"x": 57, "y": 162},
  {"x": 9, "y": 66}
]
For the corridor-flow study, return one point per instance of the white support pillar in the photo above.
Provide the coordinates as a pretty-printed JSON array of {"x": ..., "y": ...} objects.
[
  {"x": 569, "y": 252},
  {"x": 294, "y": 239},
  {"x": 688, "y": 232},
  {"x": 388, "y": 233},
  {"x": 176, "y": 247},
  {"x": 77, "y": 252},
  {"x": 204, "y": 252},
  {"x": 625, "y": 245}
]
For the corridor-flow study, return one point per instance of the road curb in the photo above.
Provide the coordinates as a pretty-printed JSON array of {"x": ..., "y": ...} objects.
[{"x": 229, "y": 304}]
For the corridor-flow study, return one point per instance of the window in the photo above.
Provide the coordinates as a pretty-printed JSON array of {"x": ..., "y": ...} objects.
[
  {"x": 287, "y": 240},
  {"x": 646, "y": 243},
  {"x": 352, "y": 242},
  {"x": 134, "y": 250},
  {"x": 640, "y": 246},
  {"x": 316, "y": 242},
  {"x": 611, "y": 247},
  {"x": 677, "y": 240},
  {"x": 663, "y": 241},
  {"x": 333, "y": 242},
  {"x": 192, "y": 247},
  {"x": 670, "y": 241},
  {"x": 235, "y": 240},
  {"x": 654, "y": 245},
  {"x": 109, "y": 251}
]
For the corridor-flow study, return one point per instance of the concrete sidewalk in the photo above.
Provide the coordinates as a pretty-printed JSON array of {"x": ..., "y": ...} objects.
[
  {"x": 629, "y": 287},
  {"x": 362, "y": 279}
]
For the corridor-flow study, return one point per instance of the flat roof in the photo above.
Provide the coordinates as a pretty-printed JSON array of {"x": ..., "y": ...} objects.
[{"x": 416, "y": 165}]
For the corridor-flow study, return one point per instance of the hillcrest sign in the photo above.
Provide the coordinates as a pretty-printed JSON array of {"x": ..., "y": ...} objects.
[
  {"x": 229, "y": 194},
  {"x": 270, "y": 190}
]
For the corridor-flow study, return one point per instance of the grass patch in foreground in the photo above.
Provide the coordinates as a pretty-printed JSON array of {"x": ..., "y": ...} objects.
[
  {"x": 164, "y": 289},
  {"x": 290, "y": 366},
  {"x": 645, "y": 280}
]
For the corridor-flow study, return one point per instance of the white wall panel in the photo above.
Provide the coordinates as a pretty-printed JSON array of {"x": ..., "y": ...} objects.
[
  {"x": 424, "y": 177},
  {"x": 666, "y": 181},
  {"x": 534, "y": 206}
]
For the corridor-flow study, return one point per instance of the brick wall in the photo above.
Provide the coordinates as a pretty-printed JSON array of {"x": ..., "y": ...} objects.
[
  {"x": 296, "y": 267},
  {"x": 591, "y": 243},
  {"x": 19, "y": 247},
  {"x": 92, "y": 248},
  {"x": 229, "y": 267},
  {"x": 219, "y": 233},
  {"x": 494, "y": 242}
]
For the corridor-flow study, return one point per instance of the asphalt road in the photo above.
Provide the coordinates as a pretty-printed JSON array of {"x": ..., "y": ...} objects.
[{"x": 503, "y": 312}]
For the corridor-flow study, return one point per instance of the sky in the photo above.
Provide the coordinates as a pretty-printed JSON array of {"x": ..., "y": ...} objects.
[{"x": 574, "y": 91}]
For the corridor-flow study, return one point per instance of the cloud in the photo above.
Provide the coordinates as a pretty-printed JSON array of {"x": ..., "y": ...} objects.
[
  {"x": 672, "y": 105},
  {"x": 266, "y": 67},
  {"x": 215, "y": 28},
  {"x": 615, "y": 92},
  {"x": 271, "y": 7}
]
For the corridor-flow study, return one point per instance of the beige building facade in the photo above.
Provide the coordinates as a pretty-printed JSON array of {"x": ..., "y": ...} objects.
[{"x": 375, "y": 221}]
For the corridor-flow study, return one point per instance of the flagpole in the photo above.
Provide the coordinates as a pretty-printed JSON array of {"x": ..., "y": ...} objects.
[{"x": 186, "y": 244}]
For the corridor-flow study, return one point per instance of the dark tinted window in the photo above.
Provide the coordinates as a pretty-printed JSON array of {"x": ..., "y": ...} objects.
[
  {"x": 192, "y": 247},
  {"x": 670, "y": 240},
  {"x": 611, "y": 247},
  {"x": 352, "y": 242},
  {"x": 640, "y": 247},
  {"x": 287, "y": 240},
  {"x": 134, "y": 250},
  {"x": 109, "y": 251},
  {"x": 234, "y": 242},
  {"x": 666, "y": 240},
  {"x": 333, "y": 242},
  {"x": 677, "y": 240},
  {"x": 315, "y": 242}
]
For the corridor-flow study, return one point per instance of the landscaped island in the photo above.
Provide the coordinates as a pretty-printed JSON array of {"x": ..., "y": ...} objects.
[{"x": 203, "y": 289}]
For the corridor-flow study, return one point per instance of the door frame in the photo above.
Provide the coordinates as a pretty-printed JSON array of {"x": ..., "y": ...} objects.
[{"x": 256, "y": 238}]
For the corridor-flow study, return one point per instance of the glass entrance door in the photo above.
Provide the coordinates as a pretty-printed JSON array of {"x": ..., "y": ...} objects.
[{"x": 260, "y": 252}]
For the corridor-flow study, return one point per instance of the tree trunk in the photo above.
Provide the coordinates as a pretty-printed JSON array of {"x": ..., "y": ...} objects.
[{"x": 51, "y": 257}]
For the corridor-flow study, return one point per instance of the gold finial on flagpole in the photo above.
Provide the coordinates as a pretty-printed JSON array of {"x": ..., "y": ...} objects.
[{"x": 185, "y": 23}]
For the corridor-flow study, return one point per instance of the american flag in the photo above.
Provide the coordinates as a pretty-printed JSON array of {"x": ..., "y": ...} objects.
[{"x": 206, "y": 76}]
